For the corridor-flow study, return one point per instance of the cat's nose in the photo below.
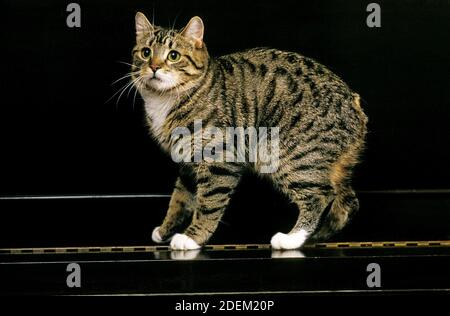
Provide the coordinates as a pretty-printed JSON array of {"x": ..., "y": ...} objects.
[{"x": 154, "y": 67}]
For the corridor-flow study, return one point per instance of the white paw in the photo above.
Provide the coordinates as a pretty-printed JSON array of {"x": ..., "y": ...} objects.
[
  {"x": 289, "y": 241},
  {"x": 156, "y": 236},
  {"x": 183, "y": 242}
]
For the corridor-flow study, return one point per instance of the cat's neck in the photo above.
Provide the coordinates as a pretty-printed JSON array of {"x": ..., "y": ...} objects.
[{"x": 157, "y": 106}]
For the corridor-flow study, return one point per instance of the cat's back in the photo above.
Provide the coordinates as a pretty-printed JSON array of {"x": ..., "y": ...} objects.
[
  {"x": 271, "y": 87},
  {"x": 259, "y": 61},
  {"x": 289, "y": 72}
]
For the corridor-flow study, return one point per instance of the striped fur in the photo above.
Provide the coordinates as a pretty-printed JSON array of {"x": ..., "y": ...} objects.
[{"x": 322, "y": 126}]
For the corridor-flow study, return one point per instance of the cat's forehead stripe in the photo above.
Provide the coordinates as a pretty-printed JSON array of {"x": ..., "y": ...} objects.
[{"x": 165, "y": 37}]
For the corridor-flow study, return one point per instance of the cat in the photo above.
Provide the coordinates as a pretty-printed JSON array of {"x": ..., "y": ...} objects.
[{"x": 322, "y": 129}]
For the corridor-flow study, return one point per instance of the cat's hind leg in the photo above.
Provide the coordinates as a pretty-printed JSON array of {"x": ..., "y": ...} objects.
[
  {"x": 311, "y": 203},
  {"x": 307, "y": 184},
  {"x": 346, "y": 203},
  {"x": 181, "y": 207},
  {"x": 344, "y": 206}
]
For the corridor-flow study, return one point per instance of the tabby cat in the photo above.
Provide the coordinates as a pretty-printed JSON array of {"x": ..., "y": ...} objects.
[{"x": 321, "y": 129}]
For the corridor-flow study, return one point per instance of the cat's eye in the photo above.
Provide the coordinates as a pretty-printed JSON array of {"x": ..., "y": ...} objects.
[
  {"x": 174, "y": 56},
  {"x": 146, "y": 52}
]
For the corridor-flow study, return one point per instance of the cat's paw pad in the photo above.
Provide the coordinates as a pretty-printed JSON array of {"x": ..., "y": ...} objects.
[
  {"x": 183, "y": 242},
  {"x": 156, "y": 236},
  {"x": 289, "y": 241}
]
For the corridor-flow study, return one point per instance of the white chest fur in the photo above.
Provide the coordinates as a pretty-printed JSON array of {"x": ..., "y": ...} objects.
[{"x": 157, "y": 108}]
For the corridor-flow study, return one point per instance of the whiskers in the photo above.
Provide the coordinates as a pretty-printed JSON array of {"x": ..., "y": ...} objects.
[
  {"x": 136, "y": 83},
  {"x": 172, "y": 25},
  {"x": 130, "y": 74},
  {"x": 135, "y": 80}
]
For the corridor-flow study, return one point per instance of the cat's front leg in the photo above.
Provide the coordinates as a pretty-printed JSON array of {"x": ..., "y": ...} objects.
[
  {"x": 181, "y": 207},
  {"x": 215, "y": 185}
]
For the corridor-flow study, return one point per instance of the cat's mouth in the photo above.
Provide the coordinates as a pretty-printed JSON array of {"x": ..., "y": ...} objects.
[
  {"x": 152, "y": 80},
  {"x": 154, "y": 77},
  {"x": 158, "y": 82}
]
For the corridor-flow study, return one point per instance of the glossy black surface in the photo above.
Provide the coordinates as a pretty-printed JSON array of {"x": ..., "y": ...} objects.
[
  {"x": 230, "y": 271},
  {"x": 210, "y": 254}
]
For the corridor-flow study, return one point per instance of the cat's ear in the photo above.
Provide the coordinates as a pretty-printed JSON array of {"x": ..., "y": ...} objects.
[
  {"x": 143, "y": 26},
  {"x": 194, "y": 30}
]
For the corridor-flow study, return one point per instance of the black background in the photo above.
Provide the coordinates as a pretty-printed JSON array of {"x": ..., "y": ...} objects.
[{"x": 59, "y": 134}]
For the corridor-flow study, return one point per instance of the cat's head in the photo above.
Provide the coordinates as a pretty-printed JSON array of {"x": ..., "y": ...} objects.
[{"x": 167, "y": 59}]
